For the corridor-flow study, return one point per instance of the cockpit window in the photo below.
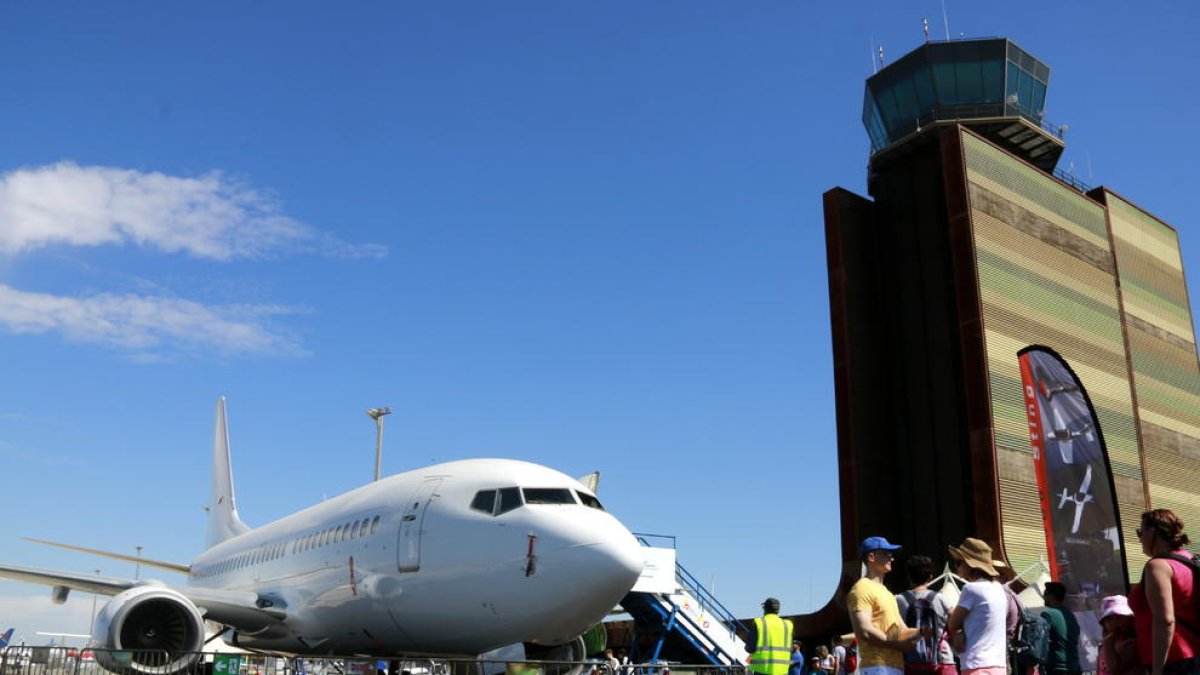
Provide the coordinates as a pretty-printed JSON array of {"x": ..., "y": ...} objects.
[
  {"x": 484, "y": 501},
  {"x": 589, "y": 500},
  {"x": 548, "y": 496},
  {"x": 510, "y": 498}
]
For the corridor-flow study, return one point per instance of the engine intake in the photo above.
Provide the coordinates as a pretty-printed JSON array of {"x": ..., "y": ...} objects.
[{"x": 148, "y": 630}]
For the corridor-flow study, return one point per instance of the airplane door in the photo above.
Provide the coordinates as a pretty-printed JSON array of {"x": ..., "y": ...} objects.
[{"x": 408, "y": 548}]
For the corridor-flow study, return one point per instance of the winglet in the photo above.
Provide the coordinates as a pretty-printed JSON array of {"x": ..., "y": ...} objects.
[
  {"x": 223, "y": 520},
  {"x": 591, "y": 481},
  {"x": 4, "y": 639}
]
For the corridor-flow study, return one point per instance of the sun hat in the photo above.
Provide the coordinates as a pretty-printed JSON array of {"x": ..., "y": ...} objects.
[
  {"x": 976, "y": 553},
  {"x": 875, "y": 544},
  {"x": 1114, "y": 604}
]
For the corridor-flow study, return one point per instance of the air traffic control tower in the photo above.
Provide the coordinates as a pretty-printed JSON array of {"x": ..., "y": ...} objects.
[{"x": 970, "y": 248}]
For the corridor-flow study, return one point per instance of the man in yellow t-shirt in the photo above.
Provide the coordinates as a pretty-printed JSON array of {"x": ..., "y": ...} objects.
[{"x": 882, "y": 636}]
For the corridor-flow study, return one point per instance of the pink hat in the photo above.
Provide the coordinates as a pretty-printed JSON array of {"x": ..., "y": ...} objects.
[{"x": 1114, "y": 604}]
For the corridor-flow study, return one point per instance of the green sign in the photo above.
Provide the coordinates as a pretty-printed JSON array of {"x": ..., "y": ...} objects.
[{"x": 226, "y": 664}]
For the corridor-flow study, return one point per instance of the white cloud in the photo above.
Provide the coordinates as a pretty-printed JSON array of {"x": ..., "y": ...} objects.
[
  {"x": 152, "y": 328},
  {"x": 206, "y": 217}
]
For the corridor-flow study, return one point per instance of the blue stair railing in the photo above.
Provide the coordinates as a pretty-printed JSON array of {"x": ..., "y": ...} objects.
[{"x": 708, "y": 605}]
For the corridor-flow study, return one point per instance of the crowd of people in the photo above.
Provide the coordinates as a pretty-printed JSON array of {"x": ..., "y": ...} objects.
[{"x": 1154, "y": 631}]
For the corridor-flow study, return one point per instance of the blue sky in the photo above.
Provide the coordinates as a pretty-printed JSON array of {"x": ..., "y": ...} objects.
[{"x": 587, "y": 235}]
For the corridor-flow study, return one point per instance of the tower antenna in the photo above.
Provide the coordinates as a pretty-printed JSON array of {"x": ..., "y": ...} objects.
[
  {"x": 874, "y": 68},
  {"x": 925, "y": 27},
  {"x": 945, "y": 20}
]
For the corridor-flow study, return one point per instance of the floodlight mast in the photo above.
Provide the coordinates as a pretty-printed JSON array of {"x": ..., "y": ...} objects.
[{"x": 377, "y": 415}]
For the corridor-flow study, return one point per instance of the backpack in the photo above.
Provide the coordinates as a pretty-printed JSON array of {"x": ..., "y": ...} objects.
[
  {"x": 1193, "y": 564},
  {"x": 851, "y": 664},
  {"x": 920, "y": 614},
  {"x": 1032, "y": 646}
]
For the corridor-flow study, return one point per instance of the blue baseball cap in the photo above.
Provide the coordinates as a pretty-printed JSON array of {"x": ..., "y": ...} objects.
[{"x": 875, "y": 544}]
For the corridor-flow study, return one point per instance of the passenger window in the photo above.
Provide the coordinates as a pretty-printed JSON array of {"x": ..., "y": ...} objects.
[
  {"x": 345, "y": 531},
  {"x": 485, "y": 500},
  {"x": 510, "y": 498},
  {"x": 548, "y": 496},
  {"x": 375, "y": 525},
  {"x": 589, "y": 500},
  {"x": 354, "y": 531}
]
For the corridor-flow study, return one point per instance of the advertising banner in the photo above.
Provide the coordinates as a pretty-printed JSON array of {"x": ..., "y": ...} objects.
[
  {"x": 1079, "y": 509},
  {"x": 1078, "y": 503}
]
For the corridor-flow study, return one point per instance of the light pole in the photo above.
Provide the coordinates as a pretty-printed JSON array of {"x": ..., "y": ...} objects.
[
  {"x": 377, "y": 415},
  {"x": 92, "y": 622},
  {"x": 137, "y": 573}
]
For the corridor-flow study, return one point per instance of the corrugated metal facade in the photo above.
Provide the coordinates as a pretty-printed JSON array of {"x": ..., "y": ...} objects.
[
  {"x": 1047, "y": 275},
  {"x": 1048, "y": 270},
  {"x": 1162, "y": 347}
]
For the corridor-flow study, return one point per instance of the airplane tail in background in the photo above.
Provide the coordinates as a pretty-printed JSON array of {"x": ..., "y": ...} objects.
[
  {"x": 223, "y": 520},
  {"x": 4, "y": 639}
]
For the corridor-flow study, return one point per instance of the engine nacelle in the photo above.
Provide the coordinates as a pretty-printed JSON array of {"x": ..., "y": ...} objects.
[{"x": 148, "y": 630}]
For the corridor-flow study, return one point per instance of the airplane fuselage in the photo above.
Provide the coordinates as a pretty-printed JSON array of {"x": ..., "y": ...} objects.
[{"x": 430, "y": 561}]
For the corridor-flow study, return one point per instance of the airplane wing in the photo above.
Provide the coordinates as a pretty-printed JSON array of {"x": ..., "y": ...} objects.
[
  {"x": 148, "y": 562},
  {"x": 232, "y": 608},
  {"x": 1086, "y": 485},
  {"x": 88, "y": 583}
]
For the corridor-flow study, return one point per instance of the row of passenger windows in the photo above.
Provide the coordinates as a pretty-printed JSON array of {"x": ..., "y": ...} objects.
[
  {"x": 503, "y": 500},
  {"x": 364, "y": 527}
]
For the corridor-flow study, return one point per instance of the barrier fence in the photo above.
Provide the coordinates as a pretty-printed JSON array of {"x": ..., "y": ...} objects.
[{"x": 70, "y": 661}]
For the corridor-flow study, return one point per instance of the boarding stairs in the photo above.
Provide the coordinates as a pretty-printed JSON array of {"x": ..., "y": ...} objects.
[{"x": 682, "y": 622}]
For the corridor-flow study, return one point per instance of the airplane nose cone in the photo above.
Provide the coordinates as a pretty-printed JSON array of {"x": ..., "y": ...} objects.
[
  {"x": 617, "y": 552},
  {"x": 627, "y": 556},
  {"x": 595, "y": 571}
]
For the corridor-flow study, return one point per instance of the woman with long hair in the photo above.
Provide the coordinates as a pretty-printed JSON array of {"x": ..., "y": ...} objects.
[{"x": 1164, "y": 605}]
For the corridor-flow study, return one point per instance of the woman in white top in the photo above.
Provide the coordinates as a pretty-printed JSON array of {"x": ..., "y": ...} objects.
[
  {"x": 826, "y": 661},
  {"x": 977, "y": 624}
]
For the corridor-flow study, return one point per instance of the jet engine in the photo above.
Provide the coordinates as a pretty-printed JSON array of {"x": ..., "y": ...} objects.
[
  {"x": 560, "y": 656},
  {"x": 148, "y": 630}
]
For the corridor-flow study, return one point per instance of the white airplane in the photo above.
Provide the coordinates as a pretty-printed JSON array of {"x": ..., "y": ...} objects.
[
  {"x": 1079, "y": 498},
  {"x": 1054, "y": 388},
  {"x": 1065, "y": 438},
  {"x": 458, "y": 558}
]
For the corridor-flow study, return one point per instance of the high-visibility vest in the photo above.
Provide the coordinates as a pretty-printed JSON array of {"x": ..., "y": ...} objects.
[{"x": 773, "y": 651}]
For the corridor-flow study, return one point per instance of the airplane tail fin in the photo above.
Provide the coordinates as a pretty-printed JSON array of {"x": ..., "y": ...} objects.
[
  {"x": 4, "y": 639},
  {"x": 223, "y": 520}
]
